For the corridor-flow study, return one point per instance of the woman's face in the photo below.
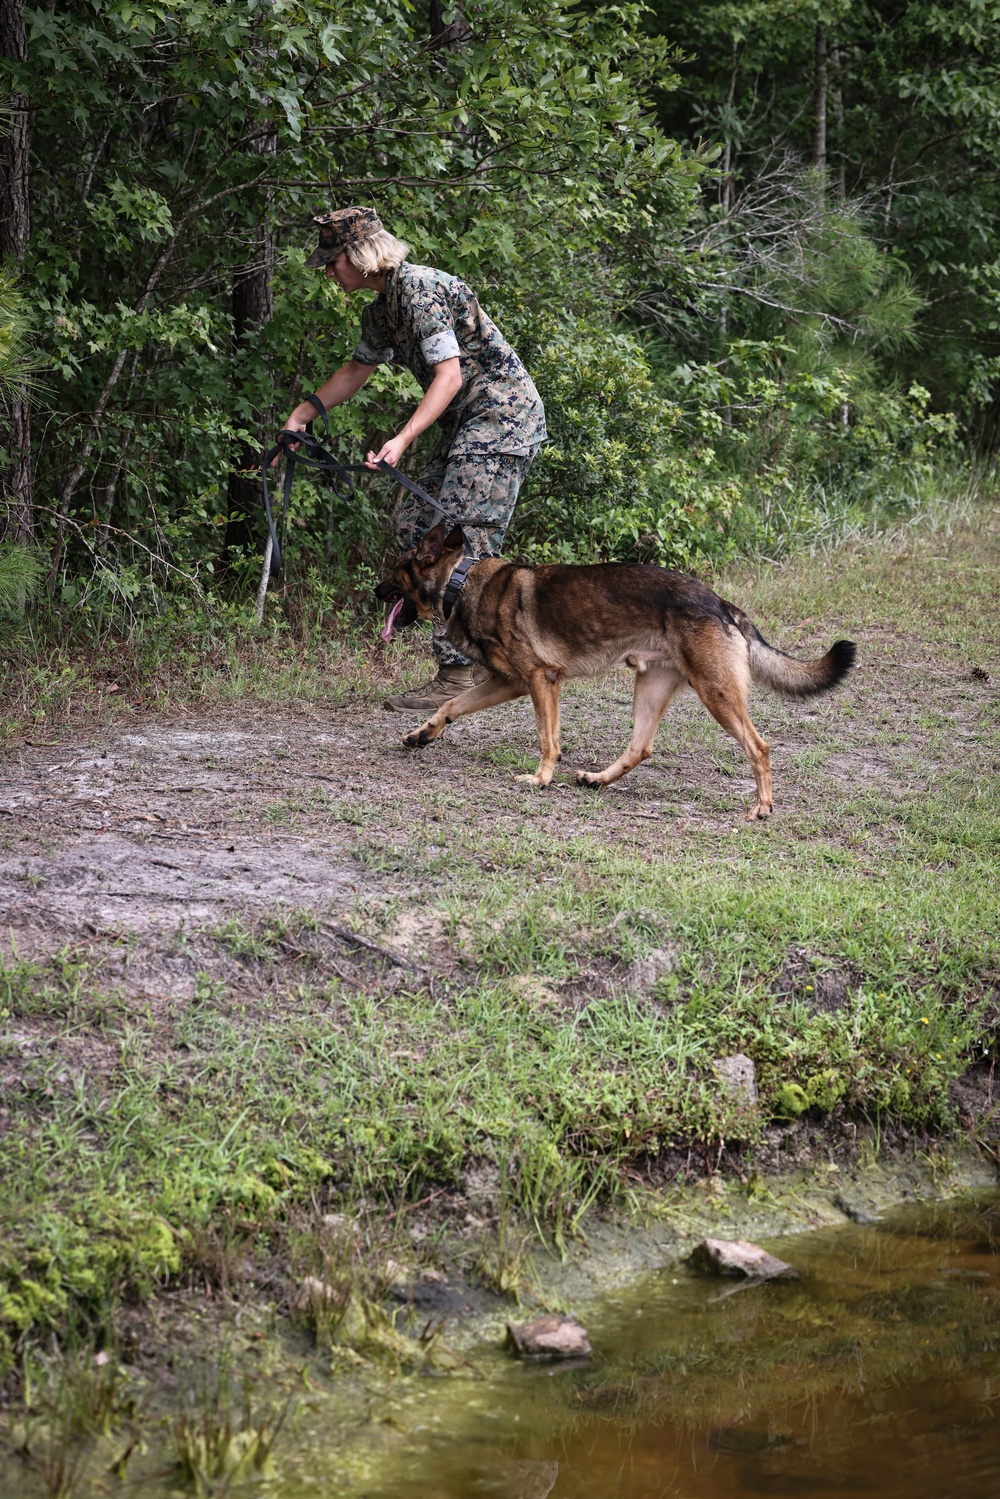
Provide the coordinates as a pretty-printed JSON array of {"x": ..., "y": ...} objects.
[{"x": 347, "y": 276}]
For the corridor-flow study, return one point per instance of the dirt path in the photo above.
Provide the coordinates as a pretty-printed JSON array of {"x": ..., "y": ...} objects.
[{"x": 137, "y": 834}]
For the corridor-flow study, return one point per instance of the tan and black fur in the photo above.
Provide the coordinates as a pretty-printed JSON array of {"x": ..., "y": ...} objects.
[{"x": 535, "y": 627}]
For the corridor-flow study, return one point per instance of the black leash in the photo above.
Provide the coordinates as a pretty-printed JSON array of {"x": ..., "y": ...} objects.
[{"x": 340, "y": 476}]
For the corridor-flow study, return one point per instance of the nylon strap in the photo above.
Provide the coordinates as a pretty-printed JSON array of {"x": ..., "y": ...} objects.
[
  {"x": 455, "y": 585},
  {"x": 340, "y": 476}
]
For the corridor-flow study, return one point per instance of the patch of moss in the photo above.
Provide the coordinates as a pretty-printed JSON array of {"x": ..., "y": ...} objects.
[
  {"x": 301, "y": 1166},
  {"x": 195, "y": 1194},
  {"x": 791, "y": 1100},
  {"x": 54, "y": 1264},
  {"x": 824, "y": 1090}
]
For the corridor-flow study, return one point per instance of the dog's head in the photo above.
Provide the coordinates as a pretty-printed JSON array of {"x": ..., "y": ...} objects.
[{"x": 416, "y": 584}]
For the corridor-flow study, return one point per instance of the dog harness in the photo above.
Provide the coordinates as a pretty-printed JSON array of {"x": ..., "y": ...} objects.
[{"x": 455, "y": 585}]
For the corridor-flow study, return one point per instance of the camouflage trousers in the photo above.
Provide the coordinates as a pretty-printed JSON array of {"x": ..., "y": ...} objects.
[{"x": 479, "y": 490}]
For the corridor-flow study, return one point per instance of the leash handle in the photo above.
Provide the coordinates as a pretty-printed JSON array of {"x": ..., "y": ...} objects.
[
  {"x": 295, "y": 448},
  {"x": 278, "y": 450},
  {"x": 315, "y": 400},
  {"x": 282, "y": 447},
  {"x": 311, "y": 452}
]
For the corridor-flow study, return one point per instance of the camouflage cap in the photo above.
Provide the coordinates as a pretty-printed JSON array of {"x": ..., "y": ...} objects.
[{"x": 340, "y": 228}]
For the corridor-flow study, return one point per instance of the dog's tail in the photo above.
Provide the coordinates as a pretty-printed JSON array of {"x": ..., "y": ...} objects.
[{"x": 772, "y": 668}]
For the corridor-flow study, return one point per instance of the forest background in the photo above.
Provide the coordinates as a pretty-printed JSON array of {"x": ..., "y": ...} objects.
[{"x": 748, "y": 252}]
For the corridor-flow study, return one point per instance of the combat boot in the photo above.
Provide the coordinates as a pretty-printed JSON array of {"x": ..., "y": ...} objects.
[{"x": 449, "y": 682}]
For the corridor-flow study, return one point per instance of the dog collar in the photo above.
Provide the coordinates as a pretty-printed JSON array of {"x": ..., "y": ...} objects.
[{"x": 454, "y": 586}]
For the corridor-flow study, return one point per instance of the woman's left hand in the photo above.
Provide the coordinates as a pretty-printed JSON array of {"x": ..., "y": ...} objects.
[{"x": 390, "y": 452}]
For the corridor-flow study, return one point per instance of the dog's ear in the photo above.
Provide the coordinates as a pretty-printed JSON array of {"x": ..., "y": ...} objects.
[
  {"x": 455, "y": 540},
  {"x": 429, "y": 549}
]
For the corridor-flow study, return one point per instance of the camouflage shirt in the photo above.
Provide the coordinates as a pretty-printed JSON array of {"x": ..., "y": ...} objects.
[{"x": 425, "y": 316}]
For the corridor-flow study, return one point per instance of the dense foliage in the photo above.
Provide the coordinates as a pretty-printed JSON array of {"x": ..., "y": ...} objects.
[
  {"x": 748, "y": 253},
  {"x": 898, "y": 106}
]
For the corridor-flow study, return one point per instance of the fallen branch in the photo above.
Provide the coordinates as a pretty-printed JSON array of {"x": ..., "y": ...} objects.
[{"x": 346, "y": 935}]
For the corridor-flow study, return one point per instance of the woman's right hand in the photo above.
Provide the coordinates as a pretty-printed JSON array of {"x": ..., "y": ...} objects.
[
  {"x": 297, "y": 422},
  {"x": 341, "y": 385}
]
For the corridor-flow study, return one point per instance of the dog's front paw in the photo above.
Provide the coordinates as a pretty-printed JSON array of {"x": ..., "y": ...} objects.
[
  {"x": 585, "y": 778},
  {"x": 534, "y": 780},
  {"x": 759, "y": 812},
  {"x": 417, "y": 738}
]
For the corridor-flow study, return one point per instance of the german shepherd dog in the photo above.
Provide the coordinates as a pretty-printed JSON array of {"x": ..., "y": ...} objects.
[{"x": 535, "y": 627}]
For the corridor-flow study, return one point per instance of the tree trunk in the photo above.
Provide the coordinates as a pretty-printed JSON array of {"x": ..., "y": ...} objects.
[
  {"x": 15, "y": 226},
  {"x": 838, "y": 116},
  {"x": 819, "y": 92},
  {"x": 729, "y": 159},
  {"x": 252, "y": 307},
  {"x": 452, "y": 36}
]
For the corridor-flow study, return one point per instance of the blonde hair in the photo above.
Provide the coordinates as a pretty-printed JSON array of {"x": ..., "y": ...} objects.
[{"x": 378, "y": 253}]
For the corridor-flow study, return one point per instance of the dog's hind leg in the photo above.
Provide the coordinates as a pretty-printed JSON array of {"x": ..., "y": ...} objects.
[
  {"x": 486, "y": 695},
  {"x": 544, "y": 687},
  {"x": 654, "y": 689},
  {"x": 725, "y": 697}
]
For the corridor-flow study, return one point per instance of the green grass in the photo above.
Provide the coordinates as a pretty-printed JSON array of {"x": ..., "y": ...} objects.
[
  {"x": 245, "y": 1110},
  {"x": 142, "y": 1136}
]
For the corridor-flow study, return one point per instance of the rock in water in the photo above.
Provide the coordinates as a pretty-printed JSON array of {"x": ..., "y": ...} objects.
[
  {"x": 529, "y": 1480},
  {"x": 858, "y": 1208},
  {"x": 739, "y": 1257},
  {"x": 550, "y": 1336},
  {"x": 314, "y": 1293}
]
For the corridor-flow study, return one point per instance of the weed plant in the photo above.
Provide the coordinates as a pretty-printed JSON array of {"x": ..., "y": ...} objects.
[
  {"x": 222, "y": 1443},
  {"x": 79, "y": 1405}
]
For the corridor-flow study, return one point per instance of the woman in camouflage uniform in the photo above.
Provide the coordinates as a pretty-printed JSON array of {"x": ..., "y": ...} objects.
[{"x": 477, "y": 390}]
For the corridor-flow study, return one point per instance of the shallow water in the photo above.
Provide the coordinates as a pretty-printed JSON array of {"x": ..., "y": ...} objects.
[{"x": 877, "y": 1373}]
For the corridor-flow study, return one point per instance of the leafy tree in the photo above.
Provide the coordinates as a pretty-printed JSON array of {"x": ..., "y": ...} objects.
[
  {"x": 897, "y": 107},
  {"x": 722, "y": 301},
  {"x": 20, "y": 567},
  {"x": 178, "y": 154},
  {"x": 15, "y": 432}
]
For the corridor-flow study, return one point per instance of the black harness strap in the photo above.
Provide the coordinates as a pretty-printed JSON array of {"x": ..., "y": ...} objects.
[
  {"x": 340, "y": 476},
  {"x": 455, "y": 585}
]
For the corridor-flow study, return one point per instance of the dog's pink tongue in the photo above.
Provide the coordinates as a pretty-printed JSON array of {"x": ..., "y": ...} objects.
[{"x": 393, "y": 614}]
